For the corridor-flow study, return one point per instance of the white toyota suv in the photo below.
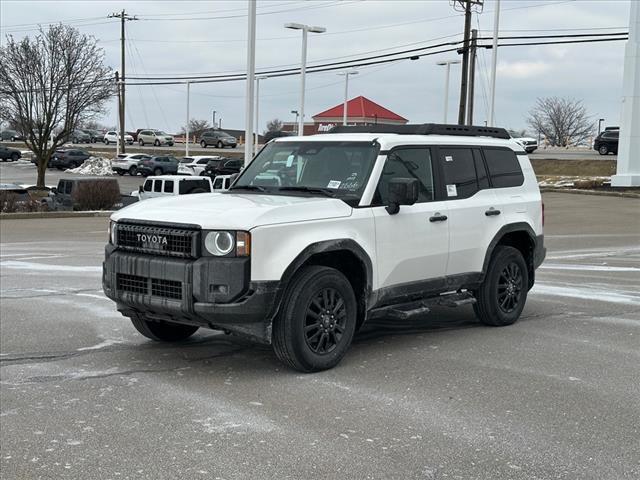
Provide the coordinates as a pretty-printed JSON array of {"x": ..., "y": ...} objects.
[{"x": 319, "y": 234}]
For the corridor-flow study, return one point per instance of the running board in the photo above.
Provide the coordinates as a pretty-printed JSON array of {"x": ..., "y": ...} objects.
[{"x": 404, "y": 311}]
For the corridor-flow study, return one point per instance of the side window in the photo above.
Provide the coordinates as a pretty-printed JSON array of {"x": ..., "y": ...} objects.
[
  {"x": 147, "y": 185},
  {"x": 203, "y": 161},
  {"x": 68, "y": 187},
  {"x": 157, "y": 185},
  {"x": 504, "y": 167},
  {"x": 406, "y": 163},
  {"x": 217, "y": 183},
  {"x": 168, "y": 186},
  {"x": 459, "y": 170}
]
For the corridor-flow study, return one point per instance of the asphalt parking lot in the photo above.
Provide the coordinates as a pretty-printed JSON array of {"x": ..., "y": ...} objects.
[{"x": 557, "y": 395}]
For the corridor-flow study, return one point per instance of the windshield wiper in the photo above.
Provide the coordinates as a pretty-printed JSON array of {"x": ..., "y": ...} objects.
[
  {"x": 324, "y": 191},
  {"x": 249, "y": 187}
]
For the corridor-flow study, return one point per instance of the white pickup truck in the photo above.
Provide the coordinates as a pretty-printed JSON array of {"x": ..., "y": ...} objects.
[{"x": 169, "y": 185}]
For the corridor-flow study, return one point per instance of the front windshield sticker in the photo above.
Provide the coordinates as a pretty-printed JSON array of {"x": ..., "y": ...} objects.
[
  {"x": 452, "y": 191},
  {"x": 334, "y": 184}
]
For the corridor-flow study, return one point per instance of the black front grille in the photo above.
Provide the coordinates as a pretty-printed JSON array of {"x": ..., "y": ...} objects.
[
  {"x": 158, "y": 240},
  {"x": 156, "y": 287}
]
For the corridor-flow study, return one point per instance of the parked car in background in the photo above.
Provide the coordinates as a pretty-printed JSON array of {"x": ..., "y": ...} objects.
[
  {"x": 64, "y": 196},
  {"x": 194, "y": 165},
  {"x": 161, "y": 165},
  {"x": 154, "y": 137},
  {"x": 128, "y": 163},
  {"x": 68, "y": 158},
  {"x": 276, "y": 134},
  {"x": 11, "y": 135},
  {"x": 217, "y": 138},
  {"x": 9, "y": 154},
  {"x": 529, "y": 144},
  {"x": 113, "y": 137},
  {"x": 79, "y": 136},
  {"x": 222, "y": 182},
  {"x": 223, "y": 166},
  {"x": 94, "y": 135},
  {"x": 607, "y": 141},
  {"x": 173, "y": 185}
]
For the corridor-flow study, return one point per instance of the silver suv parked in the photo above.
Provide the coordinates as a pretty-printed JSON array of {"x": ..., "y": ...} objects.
[{"x": 154, "y": 137}]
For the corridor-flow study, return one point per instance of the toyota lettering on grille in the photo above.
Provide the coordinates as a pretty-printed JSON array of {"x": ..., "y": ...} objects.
[{"x": 152, "y": 240}]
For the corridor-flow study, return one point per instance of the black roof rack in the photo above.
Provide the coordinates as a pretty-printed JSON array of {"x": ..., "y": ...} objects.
[{"x": 425, "y": 129}]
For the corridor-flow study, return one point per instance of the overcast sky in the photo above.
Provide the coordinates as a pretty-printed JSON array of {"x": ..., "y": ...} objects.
[{"x": 168, "y": 40}]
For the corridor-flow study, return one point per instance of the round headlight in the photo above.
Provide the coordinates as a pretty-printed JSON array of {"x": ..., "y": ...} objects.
[{"x": 219, "y": 243}]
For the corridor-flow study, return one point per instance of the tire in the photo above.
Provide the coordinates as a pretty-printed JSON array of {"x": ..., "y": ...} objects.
[
  {"x": 163, "y": 332},
  {"x": 203, "y": 144},
  {"x": 133, "y": 170},
  {"x": 312, "y": 290},
  {"x": 14, "y": 157},
  {"x": 503, "y": 294},
  {"x": 13, "y": 139},
  {"x": 106, "y": 142},
  {"x": 157, "y": 171},
  {"x": 603, "y": 150},
  {"x": 141, "y": 142},
  {"x": 157, "y": 143},
  {"x": 170, "y": 144},
  {"x": 219, "y": 145}
]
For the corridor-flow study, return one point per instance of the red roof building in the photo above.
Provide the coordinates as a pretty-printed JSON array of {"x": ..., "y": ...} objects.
[{"x": 360, "y": 111}]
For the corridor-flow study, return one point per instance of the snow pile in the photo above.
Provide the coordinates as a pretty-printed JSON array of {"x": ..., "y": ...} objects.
[
  {"x": 574, "y": 182},
  {"x": 93, "y": 166}
]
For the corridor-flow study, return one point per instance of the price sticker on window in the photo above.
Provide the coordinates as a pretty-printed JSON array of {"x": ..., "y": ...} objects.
[
  {"x": 452, "y": 191},
  {"x": 448, "y": 158}
]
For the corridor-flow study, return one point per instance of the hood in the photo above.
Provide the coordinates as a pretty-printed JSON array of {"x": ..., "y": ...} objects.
[{"x": 234, "y": 211}]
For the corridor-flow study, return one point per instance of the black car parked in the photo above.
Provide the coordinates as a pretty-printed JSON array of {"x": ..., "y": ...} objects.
[
  {"x": 72, "y": 158},
  {"x": 11, "y": 135},
  {"x": 607, "y": 142},
  {"x": 159, "y": 166},
  {"x": 222, "y": 166},
  {"x": 276, "y": 134},
  {"x": 11, "y": 154}
]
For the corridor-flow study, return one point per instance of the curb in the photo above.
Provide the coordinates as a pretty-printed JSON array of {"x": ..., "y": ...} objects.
[
  {"x": 577, "y": 191},
  {"x": 28, "y": 215}
]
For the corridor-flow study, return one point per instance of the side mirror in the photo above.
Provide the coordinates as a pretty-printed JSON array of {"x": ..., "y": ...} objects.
[
  {"x": 140, "y": 189},
  {"x": 54, "y": 190},
  {"x": 402, "y": 191}
]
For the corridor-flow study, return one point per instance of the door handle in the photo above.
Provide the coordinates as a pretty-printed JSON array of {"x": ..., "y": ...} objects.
[
  {"x": 492, "y": 212},
  {"x": 438, "y": 218}
]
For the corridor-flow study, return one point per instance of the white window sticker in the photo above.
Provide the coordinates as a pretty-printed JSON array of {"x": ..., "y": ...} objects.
[
  {"x": 290, "y": 160},
  {"x": 334, "y": 184},
  {"x": 448, "y": 158},
  {"x": 452, "y": 191}
]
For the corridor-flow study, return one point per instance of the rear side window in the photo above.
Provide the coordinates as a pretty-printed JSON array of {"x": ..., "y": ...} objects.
[
  {"x": 504, "y": 168},
  {"x": 194, "y": 186},
  {"x": 481, "y": 171},
  {"x": 168, "y": 186},
  {"x": 217, "y": 183},
  {"x": 459, "y": 170},
  {"x": 157, "y": 185},
  {"x": 147, "y": 185}
]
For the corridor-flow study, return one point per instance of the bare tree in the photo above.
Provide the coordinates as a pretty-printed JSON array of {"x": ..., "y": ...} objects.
[
  {"x": 196, "y": 127},
  {"x": 274, "y": 125},
  {"x": 563, "y": 121},
  {"x": 50, "y": 84}
]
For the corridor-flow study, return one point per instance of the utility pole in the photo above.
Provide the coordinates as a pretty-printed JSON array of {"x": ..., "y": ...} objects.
[
  {"x": 186, "y": 138},
  {"x": 465, "y": 62},
  {"x": 494, "y": 65},
  {"x": 472, "y": 75},
  {"x": 251, "y": 78},
  {"x": 213, "y": 123},
  {"x": 123, "y": 16},
  {"x": 119, "y": 110}
]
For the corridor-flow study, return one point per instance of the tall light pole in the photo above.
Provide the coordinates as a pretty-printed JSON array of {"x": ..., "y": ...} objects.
[
  {"x": 262, "y": 77},
  {"x": 251, "y": 74},
  {"x": 447, "y": 64},
  {"x": 186, "y": 140},
  {"x": 213, "y": 120},
  {"x": 600, "y": 124},
  {"x": 346, "y": 93},
  {"x": 494, "y": 66},
  {"x": 303, "y": 64}
]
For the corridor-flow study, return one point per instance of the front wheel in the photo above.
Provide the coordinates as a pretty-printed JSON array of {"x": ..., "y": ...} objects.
[
  {"x": 157, "y": 143},
  {"x": 163, "y": 331},
  {"x": 317, "y": 321},
  {"x": 502, "y": 295},
  {"x": 106, "y": 142},
  {"x": 220, "y": 145},
  {"x": 133, "y": 171},
  {"x": 203, "y": 144},
  {"x": 14, "y": 157},
  {"x": 141, "y": 143},
  {"x": 603, "y": 150},
  {"x": 157, "y": 172}
]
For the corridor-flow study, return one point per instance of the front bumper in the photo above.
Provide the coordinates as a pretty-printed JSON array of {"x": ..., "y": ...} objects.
[{"x": 208, "y": 292}]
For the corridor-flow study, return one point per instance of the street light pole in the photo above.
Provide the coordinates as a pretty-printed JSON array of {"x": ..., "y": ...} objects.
[
  {"x": 186, "y": 140},
  {"x": 599, "y": 124},
  {"x": 447, "y": 64},
  {"x": 295, "y": 112},
  {"x": 258, "y": 109},
  {"x": 494, "y": 64},
  {"x": 346, "y": 93},
  {"x": 213, "y": 122},
  {"x": 303, "y": 65},
  {"x": 251, "y": 74}
]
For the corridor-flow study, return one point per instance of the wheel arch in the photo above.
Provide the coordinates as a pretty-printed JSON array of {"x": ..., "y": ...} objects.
[{"x": 520, "y": 236}]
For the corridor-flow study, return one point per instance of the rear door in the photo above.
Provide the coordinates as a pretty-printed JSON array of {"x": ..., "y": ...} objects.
[{"x": 474, "y": 215}]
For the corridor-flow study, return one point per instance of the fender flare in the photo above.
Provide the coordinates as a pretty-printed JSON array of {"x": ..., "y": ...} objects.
[{"x": 512, "y": 227}]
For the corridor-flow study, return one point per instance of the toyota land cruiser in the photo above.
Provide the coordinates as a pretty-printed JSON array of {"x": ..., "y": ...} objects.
[{"x": 319, "y": 234}]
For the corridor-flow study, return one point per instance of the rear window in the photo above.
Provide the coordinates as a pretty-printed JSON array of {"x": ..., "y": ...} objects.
[
  {"x": 504, "y": 168},
  {"x": 186, "y": 160},
  {"x": 194, "y": 186},
  {"x": 168, "y": 186}
]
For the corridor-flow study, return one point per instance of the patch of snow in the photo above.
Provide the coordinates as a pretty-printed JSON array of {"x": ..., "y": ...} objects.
[
  {"x": 589, "y": 268},
  {"x": 93, "y": 166},
  {"x": 18, "y": 265},
  {"x": 104, "y": 344},
  {"x": 586, "y": 293}
]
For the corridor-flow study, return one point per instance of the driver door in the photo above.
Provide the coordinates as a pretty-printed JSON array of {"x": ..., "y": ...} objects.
[{"x": 412, "y": 246}]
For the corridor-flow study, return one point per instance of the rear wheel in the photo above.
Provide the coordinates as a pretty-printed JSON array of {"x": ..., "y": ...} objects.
[
  {"x": 162, "y": 331},
  {"x": 203, "y": 144},
  {"x": 603, "y": 150},
  {"x": 141, "y": 142},
  {"x": 157, "y": 171},
  {"x": 133, "y": 170},
  {"x": 220, "y": 145},
  {"x": 106, "y": 142},
  {"x": 14, "y": 157},
  {"x": 501, "y": 298},
  {"x": 157, "y": 143},
  {"x": 317, "y": 321}
]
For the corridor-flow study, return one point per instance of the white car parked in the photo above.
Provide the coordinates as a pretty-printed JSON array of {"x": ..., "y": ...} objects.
[
  {"x": 195, "y": 165},
  {"x": 128, "y": 163},
  {"x": 170, "y": 185},
  {"x": 114, "y": 137},
  {"x": 222, "y": 183}
]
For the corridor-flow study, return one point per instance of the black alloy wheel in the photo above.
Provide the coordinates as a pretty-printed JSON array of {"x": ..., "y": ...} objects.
[
  {"x": 510, "y": 287},
  {"x": 325, "y": 321}
]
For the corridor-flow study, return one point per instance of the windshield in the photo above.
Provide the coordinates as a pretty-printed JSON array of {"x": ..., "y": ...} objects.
[
  {"x": 186, "y": 160},
  {"x": 160, "y": 132},
  {"x": 339, "y": 169}
]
